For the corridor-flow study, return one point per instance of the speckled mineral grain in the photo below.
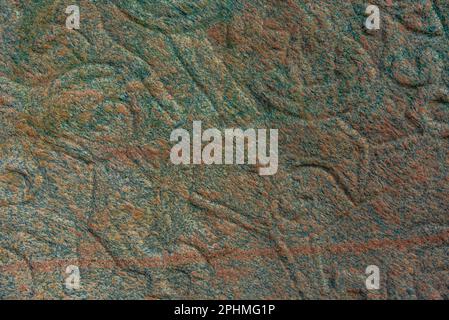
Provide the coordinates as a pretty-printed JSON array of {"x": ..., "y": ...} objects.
[{"x": 86, "y": 178}]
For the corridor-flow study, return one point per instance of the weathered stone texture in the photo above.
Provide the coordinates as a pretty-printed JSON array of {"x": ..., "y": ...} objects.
[{"x": 86, "y": 179}]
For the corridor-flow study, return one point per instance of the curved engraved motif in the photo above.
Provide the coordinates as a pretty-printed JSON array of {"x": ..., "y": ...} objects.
[
  {"x": 334, "y": 147},
  {"x": 177, "y": 16},
  {"x": 299, "y": 71},
  {"x": 19, "y": 176}
]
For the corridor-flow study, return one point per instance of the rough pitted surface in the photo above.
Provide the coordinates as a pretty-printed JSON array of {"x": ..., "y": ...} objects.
[{"x": 86, "y": 177}]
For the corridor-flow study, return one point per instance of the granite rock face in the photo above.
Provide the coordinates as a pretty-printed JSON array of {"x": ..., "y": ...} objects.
[{"x": 85, "y": 172}]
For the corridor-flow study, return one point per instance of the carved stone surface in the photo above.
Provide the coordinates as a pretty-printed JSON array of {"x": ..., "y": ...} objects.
[{"x": 86, "y": 177}]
